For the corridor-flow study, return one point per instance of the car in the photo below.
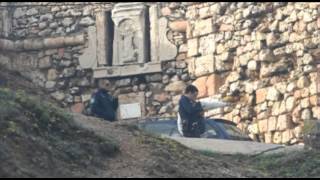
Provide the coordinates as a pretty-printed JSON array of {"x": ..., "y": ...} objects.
[{"x": 215, "y": 129}]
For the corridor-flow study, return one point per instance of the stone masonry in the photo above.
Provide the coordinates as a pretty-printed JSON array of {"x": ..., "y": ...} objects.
[{"x": 264, "y": 55}]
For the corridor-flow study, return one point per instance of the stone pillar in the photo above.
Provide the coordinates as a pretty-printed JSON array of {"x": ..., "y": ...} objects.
[
  {"x": 5, "y": 22},
  {"x": 101, "y": 26},
  {"x": 129, "y": 45},
  {"x": 161, "y": 48}
]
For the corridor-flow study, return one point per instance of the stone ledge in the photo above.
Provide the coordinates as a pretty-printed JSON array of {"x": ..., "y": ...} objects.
[
  {"x": 38, "y": 44},
  {"x": 128, "y": 70}
]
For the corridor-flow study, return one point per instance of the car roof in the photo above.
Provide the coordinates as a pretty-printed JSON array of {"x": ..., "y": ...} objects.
[{"x": 174, "y": 119}]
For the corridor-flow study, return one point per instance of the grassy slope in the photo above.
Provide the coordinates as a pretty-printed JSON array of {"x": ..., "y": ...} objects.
[
  {"x": 39, "y": 140},
  {"x": 287, "y": 165}
]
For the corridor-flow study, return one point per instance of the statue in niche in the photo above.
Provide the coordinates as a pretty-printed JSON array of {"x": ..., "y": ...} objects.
[{"x": 128, "y": 42}]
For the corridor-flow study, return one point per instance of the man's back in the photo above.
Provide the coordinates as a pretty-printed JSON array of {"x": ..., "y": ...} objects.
[{"x": 104, "y": 105}]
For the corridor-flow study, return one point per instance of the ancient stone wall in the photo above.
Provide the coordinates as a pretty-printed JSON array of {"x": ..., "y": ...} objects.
[
  {"x": 53, "y": 44},
  {"x": 263, "y": 55}
]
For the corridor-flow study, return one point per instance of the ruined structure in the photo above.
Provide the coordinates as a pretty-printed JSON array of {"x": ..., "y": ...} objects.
[{"x": 264, "y": 54}]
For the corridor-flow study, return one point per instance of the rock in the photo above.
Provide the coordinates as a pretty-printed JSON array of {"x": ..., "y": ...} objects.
[
  {"x": 142, "y": 87},
  {"x": 175, "y": 78},
  {"x": 53, "y": 25},
  {"x": 74, "y": 90},
  {"x": 44, "y": 62},
  {"x": 200, "y": 83},
  {"x": 305, "y": 103},
  {"x": 50, "y": 84},
  {"x": 55, "y": 9},
  {"x": 52, "y": 75},
  {"x": 42, "y": 25},
  {"x": 164, "y": 109},
  {"x": 69, "y": 72},
  {"x": 181, "y": 64},
  {"x": 87, "y": 21},
  {"x": 163, "y": 97},
  {"x": 154, "y": 78},
  {"x": 179, "y": 26},
  {"x": 67, "y": 22},
  {"x": 185, "y": 77},
  {"x": 290, "y": 103},
  {"x": 46, "y": 17},
  {"x": 284, "y": 122},
  {"x": 59, "y": 96},
  {"x": 19, "y": 13},
  {"x": 252, "y": 65},
  {"x": 32, "y": 11},
  {"x": 306, "y": 114},
  {"x": 273, "y": 94},
  {"x": 78, "y": 108},
  {"x": 165, "y": 79},
  {"x": 84, "y": 83},
  {"x": 303, "y": 82},
  {"x": 148, "y": 94},
  {"x": 45, "y": 32},
  {"x": 307, "y": 17},
  {"x": 266, "y": 55},
  {"x": 291, "y": 87},
  {"x": 166, "y": 11},
  {"x": 123, "y": 82},
  {"x": 177, "y": 86},
  {"x": 193, "y": 46}
]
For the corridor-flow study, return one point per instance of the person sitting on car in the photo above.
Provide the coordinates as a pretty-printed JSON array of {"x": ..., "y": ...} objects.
[{"x": 191, "y": 113}]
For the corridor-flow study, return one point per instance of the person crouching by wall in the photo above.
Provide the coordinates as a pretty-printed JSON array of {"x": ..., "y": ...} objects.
[
  {"x": 102, "y": 104},
  {"x": 191, "y": 113}
]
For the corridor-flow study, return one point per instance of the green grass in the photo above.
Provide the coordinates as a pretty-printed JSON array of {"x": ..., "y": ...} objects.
[{"x": 287, "y": 165}]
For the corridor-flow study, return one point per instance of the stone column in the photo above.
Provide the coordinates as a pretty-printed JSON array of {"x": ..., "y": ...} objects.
[{"x": 5, "y": 22}]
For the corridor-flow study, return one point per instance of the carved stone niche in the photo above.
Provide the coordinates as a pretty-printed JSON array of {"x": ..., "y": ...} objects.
[
  {"x": 139, "y": 47},
  {"x": 130, "y": 42}
]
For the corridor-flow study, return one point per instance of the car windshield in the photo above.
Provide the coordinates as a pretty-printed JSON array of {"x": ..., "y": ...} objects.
[{"x": 233, "y": 131}]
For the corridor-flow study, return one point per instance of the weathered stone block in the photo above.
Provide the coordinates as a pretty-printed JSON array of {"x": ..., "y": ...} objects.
[
  {"x": 200, "y": 83},
  {"x": 45, "y": 62},
  {"x": 214, "y": 82},
  {"x": 203, "y": 27},
  {"x": 273, "y": 94},
  {"x": 272, "y": 124},
  {"x": 261, "y": 95},
  {"x": 284, "y": 122},
  {"x": 204, "y": 65},
  {"x": 177, "y": 86},
  {"x": 193, "y": 47},
  {"x": 263, "y": 125}
]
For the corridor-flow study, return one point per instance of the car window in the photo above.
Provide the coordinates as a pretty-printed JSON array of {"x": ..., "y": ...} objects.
[
  {"x": 210, "y": 132},
  {"x": 232, "y": 131},
  {"x": 159, "y": 128}
]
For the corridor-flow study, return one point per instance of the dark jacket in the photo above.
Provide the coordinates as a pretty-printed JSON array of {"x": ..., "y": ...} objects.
[
  {"x": 191, "y": 117},
  {"x": 104, "y": 105}
]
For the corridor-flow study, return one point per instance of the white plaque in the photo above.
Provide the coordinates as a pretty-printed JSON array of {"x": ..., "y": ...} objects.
[{"x": 130, "y": 111}]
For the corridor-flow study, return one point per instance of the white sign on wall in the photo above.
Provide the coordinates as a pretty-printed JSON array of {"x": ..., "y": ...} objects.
[{"x": 130, "y": 111}]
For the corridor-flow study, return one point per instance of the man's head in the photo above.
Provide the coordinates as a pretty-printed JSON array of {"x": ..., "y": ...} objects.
[
  {"x": 191, "y": 92},
  {"x": 103, "y": 84}
]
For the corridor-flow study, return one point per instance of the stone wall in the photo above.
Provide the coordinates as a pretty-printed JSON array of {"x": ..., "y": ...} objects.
[
  {"x": 48, "y": 41},
  {"x": 263, "y": 55}
]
